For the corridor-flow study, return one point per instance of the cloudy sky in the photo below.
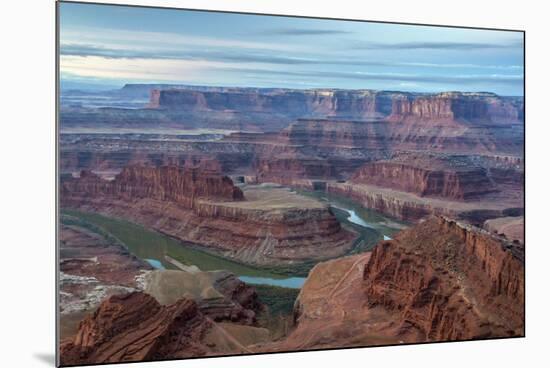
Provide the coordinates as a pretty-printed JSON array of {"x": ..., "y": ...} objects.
[{"x": 107, "y": 46}]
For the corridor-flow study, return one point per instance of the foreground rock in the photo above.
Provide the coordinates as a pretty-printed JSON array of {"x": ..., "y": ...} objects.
[
  {"x": 265, "y": 225},
  {"x": 438, "y": 281},
  {"x": 218, "y": 294},
  {"x": 135, "y": 327},
  {"x": 92, "y": 268},
  {"x": 448, "y": 281}
]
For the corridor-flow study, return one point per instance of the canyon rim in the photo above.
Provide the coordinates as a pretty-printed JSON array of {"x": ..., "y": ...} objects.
[{"x": 279, "y": 184}]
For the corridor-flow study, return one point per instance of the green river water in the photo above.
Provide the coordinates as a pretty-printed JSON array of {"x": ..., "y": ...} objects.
[{"x": 152, "y": 246}]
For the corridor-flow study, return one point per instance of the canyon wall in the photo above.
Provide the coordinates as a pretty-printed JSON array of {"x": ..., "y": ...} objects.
[
  {"x": 428, "y": 175},
  {"x": 437, "y": 281},
  {"x": 364, "y": 104},
  {"x": 455, "y": 106},
  {"x": 449, "y": 281},
  {"x": 135, "y": 327},
  {"x": 262, "y": 226},
  {"x": 165, "y": 183}
]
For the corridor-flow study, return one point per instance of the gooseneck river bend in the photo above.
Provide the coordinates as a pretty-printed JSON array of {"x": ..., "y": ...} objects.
[{"x": 160, "y": 250}]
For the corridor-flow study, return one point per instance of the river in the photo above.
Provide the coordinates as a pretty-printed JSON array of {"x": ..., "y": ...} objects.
[{"x": 139, "y": 240}]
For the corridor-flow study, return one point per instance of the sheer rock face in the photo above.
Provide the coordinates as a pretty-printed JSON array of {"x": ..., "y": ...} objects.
[
  {"x": 428, "y": 175},
  {"x": 437, "y": 281},
  {"x": 365, "y": 104},
  {"x": 448, "y": 281},
  {"x": 361, "y": 103},
  {"x": 135, "y": 327},
  {"x": 452, "y": 106},
  {"x": 166, "y": 183}
]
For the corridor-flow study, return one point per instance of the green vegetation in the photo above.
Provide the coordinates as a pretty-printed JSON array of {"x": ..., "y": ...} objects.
[
  {"x": 279, "y": 300},
  {"x": 278, "y": 318},
  {"x": 149, "y": 244}
]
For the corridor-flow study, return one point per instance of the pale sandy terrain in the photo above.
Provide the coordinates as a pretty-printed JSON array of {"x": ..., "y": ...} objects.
[{"x": 511, "y": 227}]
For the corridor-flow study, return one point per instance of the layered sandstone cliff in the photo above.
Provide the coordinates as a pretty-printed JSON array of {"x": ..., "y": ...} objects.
[
  {"x": 364, "y": 104},
  {"x": 437, "y": 281},
  {"x": 321, "y": 102},
  {"x": 263, "y": 226},
  {"x": 448, "y": 281},
  {"x": 135, "y": 327},
  {"x": 450, "y": 107},
  {"x": 450, "y": 177},
  {"x": 166, "y": 183}
]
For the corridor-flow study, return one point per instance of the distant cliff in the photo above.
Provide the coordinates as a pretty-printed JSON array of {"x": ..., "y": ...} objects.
[
  {"x": 428, "y": 175},
  {"x": 358, "y": 104},
  {"x": 166, "y": 183}
]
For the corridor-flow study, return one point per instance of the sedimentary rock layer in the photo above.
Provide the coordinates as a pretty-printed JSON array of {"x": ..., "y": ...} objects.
[
  {"x": 135, "y": 327},
  {"x": 449, "y": 281},
  {"x": 272, "y": 225},
  {"x": 411, "y": 207},
  {"x": 424, "y": 174},
  {"x": 450, "y": 107},
  {"x": 438, "y": 281},
  {"x": 366, "y": 104},
  {"x": 166, "y": 183}
]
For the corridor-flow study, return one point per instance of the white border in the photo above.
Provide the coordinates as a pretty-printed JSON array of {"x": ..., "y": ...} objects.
[{"x": 27, "y": 182}]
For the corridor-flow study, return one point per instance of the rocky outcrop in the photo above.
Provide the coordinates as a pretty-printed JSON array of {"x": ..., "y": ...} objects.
[
  {"x": 448, "y": 281},
  {"x": 220, "y": 295},
  {"x": 450, "y": 177},
  {"x": 167, "y": 183},
  {"x": 135, "y": 327},
  {"x": 437, "y": 281},
  {"x": 451, "y": 107}
]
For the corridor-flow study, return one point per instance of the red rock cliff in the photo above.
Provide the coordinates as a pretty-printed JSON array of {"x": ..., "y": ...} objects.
[
  {"x": 166, "y": 183},
  {"x": 454, "y": 106},
  {"x": 448, "y": 281},
  {"x": 135, "y": 327},
  {"x": 427, "y": 175}
]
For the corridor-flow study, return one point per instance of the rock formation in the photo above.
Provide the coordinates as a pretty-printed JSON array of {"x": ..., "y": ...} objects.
[
  {"x": 452, "y": 177},
  {"x": 365, "y": 104},
  {"x": 265, "y": 226},
  {"x": 451, "y": 107},
  {"x": 135, "y": 327},
  {"x": 220, "y": 295},
  {"x": 167, "y": 183},
  {"x": 438, "y": 281},
  {"x": 449, "y": 281}
]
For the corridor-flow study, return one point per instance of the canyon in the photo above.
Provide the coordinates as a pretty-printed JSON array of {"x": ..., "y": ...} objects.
[
  {"x": 405, "y": 211},
  {"x": 262, "y": 225},
  {"x": 95, "y": 266},
  {"x": 441, "y": 280}
]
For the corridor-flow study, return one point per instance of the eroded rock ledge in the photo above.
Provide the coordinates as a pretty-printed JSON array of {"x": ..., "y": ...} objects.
[
  {"x": 448, "y": 281},
  {"x": 440, "y": 280},
  {"x": 263, "y": 226}
]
